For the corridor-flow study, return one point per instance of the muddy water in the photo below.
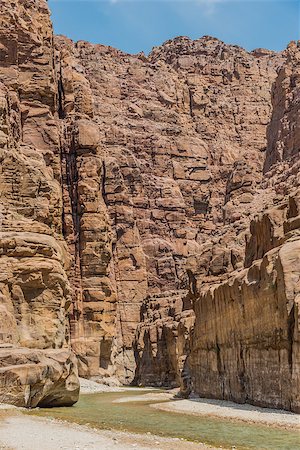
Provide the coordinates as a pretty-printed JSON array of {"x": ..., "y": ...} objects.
[{"x": 100, "y": 411}]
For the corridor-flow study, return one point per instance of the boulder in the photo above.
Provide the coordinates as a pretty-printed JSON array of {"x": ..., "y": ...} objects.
[{"x": 44, "y": 378}]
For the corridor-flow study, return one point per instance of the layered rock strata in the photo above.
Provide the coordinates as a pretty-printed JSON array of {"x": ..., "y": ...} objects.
[
  {"x": 246, "y": 334},
  {"x": 147, "y": 218},
  {"x": 173, "y": 134},
  {"x": 31, "y": 378},
  {"x": 34, "y": 287}
]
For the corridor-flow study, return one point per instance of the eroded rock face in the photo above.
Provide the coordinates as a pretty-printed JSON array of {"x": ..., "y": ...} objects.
[
  {"x": 141, "y": 196},
  {"x": 246, "y": 334},
  {"x": 283, "y": 130},
  {"x": 162, "y": 343},
  {"x": 174, "y": 136},
  {"x": 34, "y": 287},
  {"x": 44, "y": 378}
]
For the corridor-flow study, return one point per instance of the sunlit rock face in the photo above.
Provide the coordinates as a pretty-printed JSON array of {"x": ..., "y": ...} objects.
[
  {"x": 45, "y": 378},
  {"x": 149, "y": 212},
  {"x": 34, "y": 287},
  {"x": 164, "y": 151},
  {"x": 246, "y": 334}
]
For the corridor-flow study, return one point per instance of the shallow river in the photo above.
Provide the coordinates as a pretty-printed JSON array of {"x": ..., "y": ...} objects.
[{"x": 100, "y": 411}]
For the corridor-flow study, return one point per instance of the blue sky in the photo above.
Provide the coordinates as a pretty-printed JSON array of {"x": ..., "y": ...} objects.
[{"x": 136, "y": 25}]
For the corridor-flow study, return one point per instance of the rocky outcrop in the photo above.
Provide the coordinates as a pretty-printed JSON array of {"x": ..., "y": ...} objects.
[
  {"x": 86, "y": 225},
  {"x": 162, "y": 343},
  {"x": 246, "y": 335},
  {"x": 146, "y": 205},
  {"x": 34, "y": 287},
  {"x": 44, "y": 378},
  {"x": 283, "y": 130}
]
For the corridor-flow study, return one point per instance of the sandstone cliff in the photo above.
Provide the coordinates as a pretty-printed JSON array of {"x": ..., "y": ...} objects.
[
  {"x": 167, "y": 135},
  {"x": 246, "y": 334},
  {"x": 34, "y": 287},
  {"x": 149, "y": 210}
]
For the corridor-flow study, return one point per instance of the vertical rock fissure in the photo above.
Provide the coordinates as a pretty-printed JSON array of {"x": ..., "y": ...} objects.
[
  {"x": 103, "y": 180},
  {"x": 60, "y": 94},
  {"x": 71, "y": 232},
  {"x": 191, "y": 102},
  {"x": 242, "y": 374},
  {"x": 291, "y": 329},
  {"x": 219, "y": 367},
  {"x": 72, "y": 186}
]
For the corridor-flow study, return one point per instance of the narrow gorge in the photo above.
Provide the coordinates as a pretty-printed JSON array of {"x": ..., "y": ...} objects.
[{"x": 149, "y": 216}]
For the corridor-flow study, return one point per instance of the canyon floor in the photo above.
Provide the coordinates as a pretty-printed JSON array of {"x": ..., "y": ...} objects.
[
  {"x": 49, "y": 429},
  {"x": 219, "y": 409},
  {"x": 32, "y": 433},
  {"x": 198, "y": 406},
  {"x": 22, "y": 432},
  {"x": 234, "y": 411}
]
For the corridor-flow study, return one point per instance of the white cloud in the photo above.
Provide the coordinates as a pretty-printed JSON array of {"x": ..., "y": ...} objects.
[{"x": 209, "y": 6}]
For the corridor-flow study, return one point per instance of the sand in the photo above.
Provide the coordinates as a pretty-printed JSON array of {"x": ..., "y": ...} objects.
[
  {"x": 20, "y": 432},
  {"x": 151, "y": 396},
  {"x": 232, "y": 411},
  {"x": 213, "y": 408},
  {"x": 93, "y": 387}
]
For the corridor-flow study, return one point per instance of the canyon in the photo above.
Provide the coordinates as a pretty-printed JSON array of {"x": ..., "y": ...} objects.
[{"x": 149, "y": 216}]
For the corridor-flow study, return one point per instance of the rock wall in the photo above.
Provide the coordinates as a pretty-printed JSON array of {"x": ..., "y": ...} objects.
[
  {"x": 283, "y": 130},
  {"x": 34, "y": 287},
  {"x": 173, "y": 134},
  {"x": 130, "y": 186},
  {"x": 246, "y": 334}
]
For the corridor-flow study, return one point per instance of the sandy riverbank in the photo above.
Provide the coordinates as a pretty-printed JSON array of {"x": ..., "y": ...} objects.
[
  {"x": 202, "y": 407},
  {"x": 232, "y": 411},
  {"x": 93, "y": 387},
  {"x": 20, "y": 432},
  {"x": 217, "y": 408},
  {"x": 151, "y": 397}
]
